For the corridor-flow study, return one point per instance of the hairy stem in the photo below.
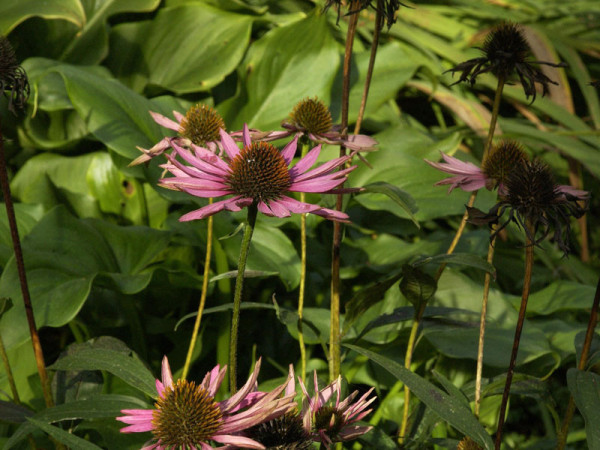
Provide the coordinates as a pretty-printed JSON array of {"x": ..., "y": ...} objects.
[
  {"x": 587, "y": 343},
  {"x": 237, "y": 296},
  {"x": 14, "y": 233},
  {"x": 302, "y": 286},
  {"x": 334, "y": 335},
  {"x": 205, "y": 275},
  {"x": 513, "y": 357}
]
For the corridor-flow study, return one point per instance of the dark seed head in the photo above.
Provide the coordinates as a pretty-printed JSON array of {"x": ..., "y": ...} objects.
[
  {"x": 531, "y": 188},
  {"x": 330, "y": 420},
  {"x": 13, "y": 79},
  {"x": 259, "y": 172},
  {"x": 284, "y": 433},
  {"x": 185, "y": 416},
  {"x": 312, "y": 115},
  {"x": 500, "y": 162},
  {"x": 505, "y": 46},
  {"x": 201, "y": 124},
  {"x": 468, "y": 444}
]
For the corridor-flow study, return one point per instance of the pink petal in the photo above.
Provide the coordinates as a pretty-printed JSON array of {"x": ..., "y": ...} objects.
[
  {"x": 178, "y": 116},
  {"x": 238, "y": 441},
  {"x": 360, "y": 142},
  {"x": 235, "y": 399},
  {"x": 273, "y": 209},
  {"x": 305, "y": 163},
  {"x": 289, "y": 150},
  {"x": 231, "y": 204},
  {"x": 229, "y": 145},
  {"x": 246, "y": 136},
  {"x": 167, "y": 377},
  {"x": 165, "y": 121}
]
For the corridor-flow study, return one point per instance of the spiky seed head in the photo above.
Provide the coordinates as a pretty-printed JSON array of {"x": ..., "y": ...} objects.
[
  {"x": 259, "y": 172},
  {"x": 185, "y": 416},
  {"x": 329, "y": 419},
  {"x": 505, "y": 47},
  {"x": 468, "y": 444},
  {"x": 201, "y": 124},
  {"x": 502, "y": 159},
  {"x": 530, "y": 188},
  {"x": 283, "y": 433},
  {"x": 312, "y": 115}
]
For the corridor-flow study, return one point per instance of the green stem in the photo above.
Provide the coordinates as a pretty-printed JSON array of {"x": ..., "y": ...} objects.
[
  {"x": 521, "y": 320},
  {"x": 587, "y": 343},
  {"x": 374, "y": 45},
  {"x": 224, "y": 324},
  {"x": 20, "y": 263},
  {"x": 334, "y": 335},
  {"x": 237, "y": 296},
  {"x": 205, "y": 275},
  {"x": 302, "y": 287},
  {"x": 9, "y": 374}
]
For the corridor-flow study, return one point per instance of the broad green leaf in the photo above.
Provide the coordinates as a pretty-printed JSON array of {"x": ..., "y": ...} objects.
[
  {"x": 13, "y": 12},
  {"x": 90, "y": 45},
  {"x": 284, "y": 66},
  {"x": 450, "y": 409},
  {"x": 70, "y": 440},
  {"x": 63, "y": 256},
  {"x": 93, "y": 408},
  {"x": 166, "y": 50},
  {"x": 26, "y": 216},
  {"x": 585, "y": 388},
  {"x": 13, "y": 413},
  {"x": 562, "y": 295},
  {"x": 401, "y": 198},
  {"x": 461, "y": 259},
  {"x": 121, "y": 364}
]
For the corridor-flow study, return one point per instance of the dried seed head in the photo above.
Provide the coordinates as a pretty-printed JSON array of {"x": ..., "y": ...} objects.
[
  {"x": 502, "y": 159},
  {"x": 259, "y": 172},
  {"x": 283, "y": 433},
  {"x": 201, "y": 124},
  {"x": 185, "y": 416},
  {"x": 13, "y": 79},
  {"x": 505, "y": 46},
  {"x": 312, "y": 115},
  {"x": 530, "y": 189}
]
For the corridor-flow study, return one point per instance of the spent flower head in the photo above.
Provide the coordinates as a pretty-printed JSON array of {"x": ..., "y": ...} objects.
[
  {"x": 388, "y": 10},
  {"x": 200, "y": 126},
  {"x": 258, "y": 175},
  {"x": 505, "y": 53},
  {"x": 502, "y": 158},
  {"x": 186, "y": 414},
  {"x": 532, "y": 199},
  {"x": 330, "y": 422},
  {"x": 13, "y": 79}
]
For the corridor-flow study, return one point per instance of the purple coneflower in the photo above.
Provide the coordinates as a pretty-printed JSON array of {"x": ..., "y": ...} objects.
[
  {"x": 258, "y": 174},
  {"x": 334, "y": 423},
  {"x": 187, "y": 416},
  {"x": 200, "y": 126}
]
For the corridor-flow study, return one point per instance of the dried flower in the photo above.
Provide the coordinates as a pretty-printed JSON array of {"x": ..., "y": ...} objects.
[
  {"x": 334, "y": 423},
  {"x": 388, "y": 10},
  {"x": 506, "y": 52},
  {"x": 257, "y": 174},
  {"x": 186, "y": 415},
  {"x": 468, "y": 444},
  {"x": 13, "y": 79},
  {"x": 533, "y": 198},
  {"x": 199, "y": 126},
  {"x": 502, "y": 158}
]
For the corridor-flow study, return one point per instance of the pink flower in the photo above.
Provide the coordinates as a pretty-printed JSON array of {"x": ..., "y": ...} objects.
[
  {"x": 467, "y": 176},
  {"x": 186, "y": 415},
  {"x": 258, "y": 174},
  {"x": 334, "y": 423}
]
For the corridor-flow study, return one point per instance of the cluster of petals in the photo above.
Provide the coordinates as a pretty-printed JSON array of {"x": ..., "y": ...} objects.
[
  {"x": 467, "y": 176},
  {"x": 167, "y": 142},
  {"x": 243, "y": 410},
  {"x": 202, "y": 173},
  {"x": 348, "y": 410}
]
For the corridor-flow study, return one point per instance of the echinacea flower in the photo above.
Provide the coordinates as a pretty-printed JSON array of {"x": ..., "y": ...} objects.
[
  {"x": 502, "y": 158},
  {"x": 533, "y": 198},
  {"x": 187, "y": 416},
  {"x": 199, "y": 126},
  {"x": 505, "y": 52},
  {"x": 332, "y": 422},
  {"x": 283, "y": 433},
  {"x": 257, "y": 175},
  {"x": 312, "y": 118},
  {"x": 13, "y": 79}
]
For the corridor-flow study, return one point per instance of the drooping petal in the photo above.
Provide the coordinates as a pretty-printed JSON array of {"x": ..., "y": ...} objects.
[
  {"x": 164, "y": 121},
  {"x": 246, "y": 136},
  {"x": 231, "y": 204},
  {"x": 238, "y": 441},
  {"x": 320, "y": 170},
  {"x": 273, "y": 209},
  {"x": 305, "y": 163}
]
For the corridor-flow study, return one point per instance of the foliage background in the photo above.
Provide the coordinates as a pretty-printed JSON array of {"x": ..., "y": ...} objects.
[{"x": 106, "y": 255}]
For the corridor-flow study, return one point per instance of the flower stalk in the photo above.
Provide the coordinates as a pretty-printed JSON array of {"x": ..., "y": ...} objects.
[
  {"x": 205, "y": 275},
  {"x": 587, "y": 343},
  {"x": 237, "y": 296},
  {"x": 529, "y": 246}
]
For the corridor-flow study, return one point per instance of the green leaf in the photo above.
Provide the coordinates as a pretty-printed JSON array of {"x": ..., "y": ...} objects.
[
  {"x": 585, "y": 388},
  {"x": 461, "y": 259},
  {"x": 12, "y": 413},
  {"x": 561, "y": 295},
  {"x": 401, "y": 198},
  {"x": 13, "y": 12},
  {"x": 70, "y": 440},
  {"x": 447, "y": 407},
  {"x": 63, "y": 257},
  {"x": 124, "y": 365},
  {"x": 417, "y": 286},
  {"x": 284, "y": 66},
  {"x": 166, "y": 53}
]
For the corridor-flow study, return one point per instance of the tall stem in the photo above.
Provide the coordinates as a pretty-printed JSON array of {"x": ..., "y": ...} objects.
[
  {"x": 14, "y": 232},
  {"x": 374, "y": 45},
  {"x": 513, "y": 357},
  {"x": 9, "y": 374},
  {"x": 205, "y": 275},
  {"x": 334, "y": 335},
  {"x": 587, "y": 343},
  {"x": 302, "y": 287},
  {"x": 237, "y": 296}
]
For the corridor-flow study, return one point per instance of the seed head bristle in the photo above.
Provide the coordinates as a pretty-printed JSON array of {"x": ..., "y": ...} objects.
[
  {"x": 502, "y": 159},
  {"x": 201, "y": 124}
]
